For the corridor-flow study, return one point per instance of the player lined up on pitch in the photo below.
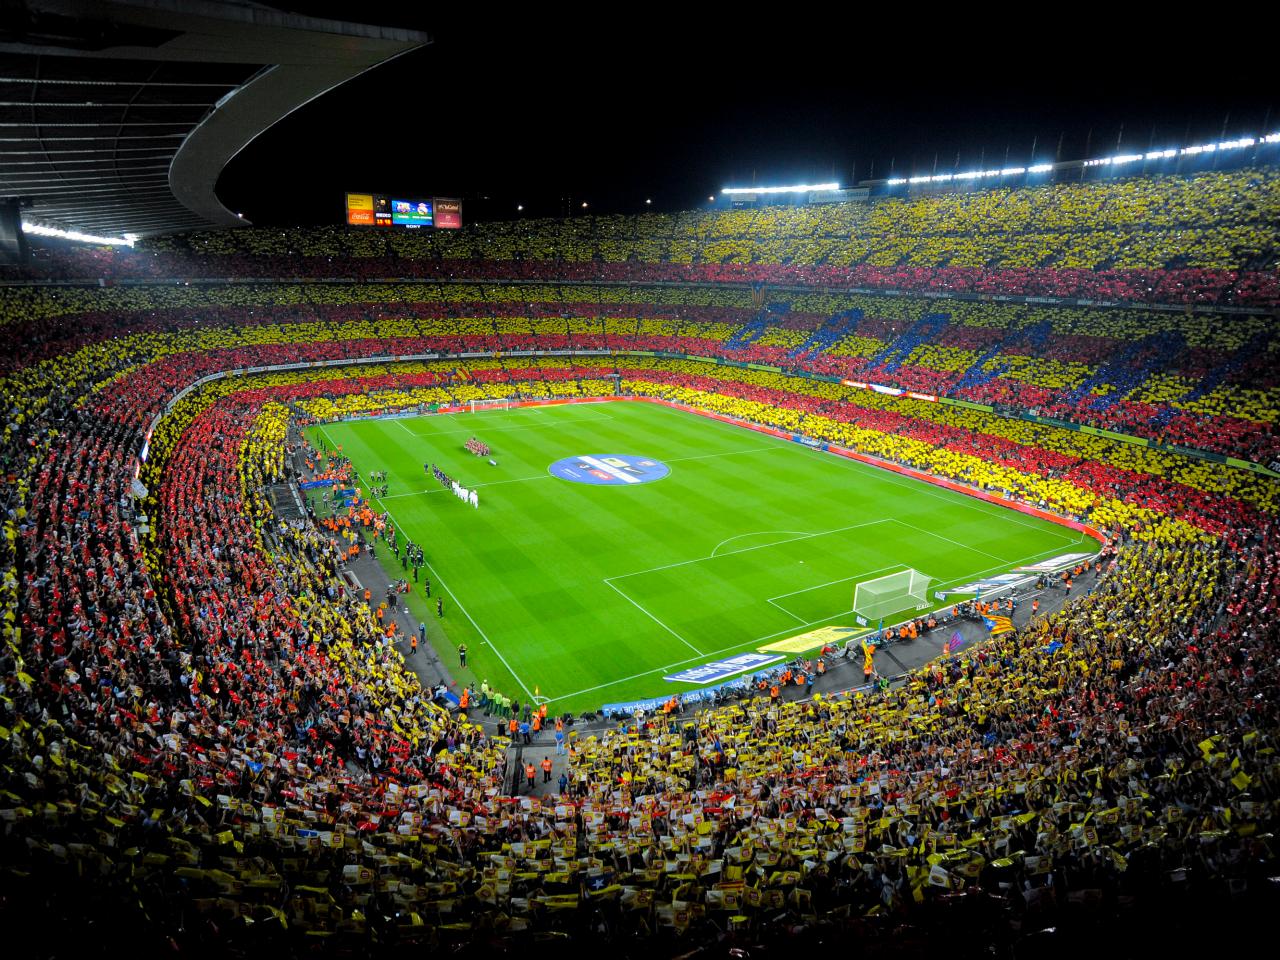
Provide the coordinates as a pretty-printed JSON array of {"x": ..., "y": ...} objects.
[
  {"x": 479, "y": 448},
  {"x": 458, "y": 490}
]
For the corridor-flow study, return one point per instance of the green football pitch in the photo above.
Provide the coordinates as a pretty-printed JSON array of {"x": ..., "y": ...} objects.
[{"x": 591, "y": 594}]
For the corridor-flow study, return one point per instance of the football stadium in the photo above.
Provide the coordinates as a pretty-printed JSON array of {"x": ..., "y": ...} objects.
[{"x": 885, "y": 565}]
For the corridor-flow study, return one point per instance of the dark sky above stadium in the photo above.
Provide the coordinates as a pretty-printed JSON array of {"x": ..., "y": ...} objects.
[{"x": 623, "y": 104}]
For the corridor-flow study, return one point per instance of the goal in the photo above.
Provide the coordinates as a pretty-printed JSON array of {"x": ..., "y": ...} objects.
[
  {"x": 502, "y": 403},
  {"x": 882, "y": 596}
]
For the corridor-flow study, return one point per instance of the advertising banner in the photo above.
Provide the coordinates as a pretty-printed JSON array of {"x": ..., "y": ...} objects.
[
  {"x": 448, "y": 214},
  {"x": 822, "y": 637},
  {"x": 722, "y": 669}
]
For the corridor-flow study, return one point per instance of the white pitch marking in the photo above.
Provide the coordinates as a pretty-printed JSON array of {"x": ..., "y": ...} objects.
[
  {"x": 483, "y": 636},
  {"x": 963, "y": 546},
  {"x": 755, "y": 534},
  {"x": 958, "y": 499},
  {"x": 656, "y": 620},
  {"x": 780, "y": 607},
  {"x": 476, "y": 486},
  {"x": 856, "y": 576},
  {"x": 522, "y": 426},
  {"x": 733, "y": 648},
  {"x": 731, "y": 553},
  {"x": 730, "y": 453}
]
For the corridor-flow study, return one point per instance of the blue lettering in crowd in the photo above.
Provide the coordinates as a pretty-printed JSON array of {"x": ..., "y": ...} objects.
[{"x": 609, "y": 469}]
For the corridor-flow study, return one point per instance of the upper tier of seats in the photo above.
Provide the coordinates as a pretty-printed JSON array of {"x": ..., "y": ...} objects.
[
  {"x": 1207, "y": 238},
  {"x": 1225, "y": 220}
]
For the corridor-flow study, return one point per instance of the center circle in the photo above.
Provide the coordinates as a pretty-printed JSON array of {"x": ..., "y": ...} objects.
[{"x": 609, "y": 469}]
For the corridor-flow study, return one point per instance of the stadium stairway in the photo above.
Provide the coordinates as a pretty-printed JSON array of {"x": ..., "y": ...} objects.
[
  {"x": 542, "y": 745},
  {"x": 832, "y": 330},
  {"x": 285, "y": 502},
  {"x": 923, "y": 330}
]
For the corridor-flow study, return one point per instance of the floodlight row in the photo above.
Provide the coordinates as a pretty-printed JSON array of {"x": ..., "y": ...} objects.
[
  {"x": 1116, "y": 161},
  {"x": 797, "y": 188},
  {"x": 40, "y": 230}
]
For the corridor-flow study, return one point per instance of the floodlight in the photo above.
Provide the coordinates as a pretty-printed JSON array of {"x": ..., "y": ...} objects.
[
  {"x": 797, "y": 188},
  {"x": 40, "y": 230}
]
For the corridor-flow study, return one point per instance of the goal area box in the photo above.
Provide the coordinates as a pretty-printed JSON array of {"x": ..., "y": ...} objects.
[
  {"x": 503, "y": 403},
  {"x": 874, "y": 599}
]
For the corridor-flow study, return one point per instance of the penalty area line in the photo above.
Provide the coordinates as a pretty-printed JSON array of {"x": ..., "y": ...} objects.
[
  {"x": 962, "y": 546},
  {"x": 476, "y": 428},
  {"x": 629, "y": 600},
  {"x": 758, "y": 533},
  {"x": 733, "y": 648},
  {"x": 819, "y": 586},
  {"x": 856, "y": 576},
  {"x": 763, "y": 546}
]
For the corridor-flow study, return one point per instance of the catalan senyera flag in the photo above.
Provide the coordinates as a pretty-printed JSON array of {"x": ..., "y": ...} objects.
[
  {"x": 999, "y": 625},
  {"x": 954, "y": 644}
]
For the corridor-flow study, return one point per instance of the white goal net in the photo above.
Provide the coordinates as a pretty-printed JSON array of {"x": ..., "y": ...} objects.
[
  {"x": 502, "y": 403},
  {"x": 896, "y": 592}
]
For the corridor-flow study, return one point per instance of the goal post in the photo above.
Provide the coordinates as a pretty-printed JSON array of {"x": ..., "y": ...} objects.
[
  {"x": 501, "y": 403},
  {"x": 883, "y": 596}
]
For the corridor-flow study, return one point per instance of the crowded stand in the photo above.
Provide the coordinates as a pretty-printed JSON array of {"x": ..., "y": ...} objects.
[
  {"x": 208, "y": 734},
  {"x": 1206, "y": 238},
  {"x": 1195, "y": 380},
  {"x": 324, "y": 746},
  {"x": 1212, "y": 220}
]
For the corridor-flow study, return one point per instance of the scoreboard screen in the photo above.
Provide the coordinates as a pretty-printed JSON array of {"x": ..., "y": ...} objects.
[
  {"x": 448, "y": 214},
  {"x": 368, "y": 210},
  {"x": 381, "y": 210},
  {"x": 412, "y": 213}
]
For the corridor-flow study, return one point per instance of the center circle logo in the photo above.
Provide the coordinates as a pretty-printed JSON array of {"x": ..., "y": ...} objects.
[{"x": 609, "y": 469}]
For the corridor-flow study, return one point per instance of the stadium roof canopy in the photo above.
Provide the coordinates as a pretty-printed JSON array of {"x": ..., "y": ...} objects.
[{"x": 117, "y": 116}]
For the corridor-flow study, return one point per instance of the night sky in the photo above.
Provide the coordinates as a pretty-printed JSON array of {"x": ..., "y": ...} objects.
[{"x": 615, "y": 109}]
